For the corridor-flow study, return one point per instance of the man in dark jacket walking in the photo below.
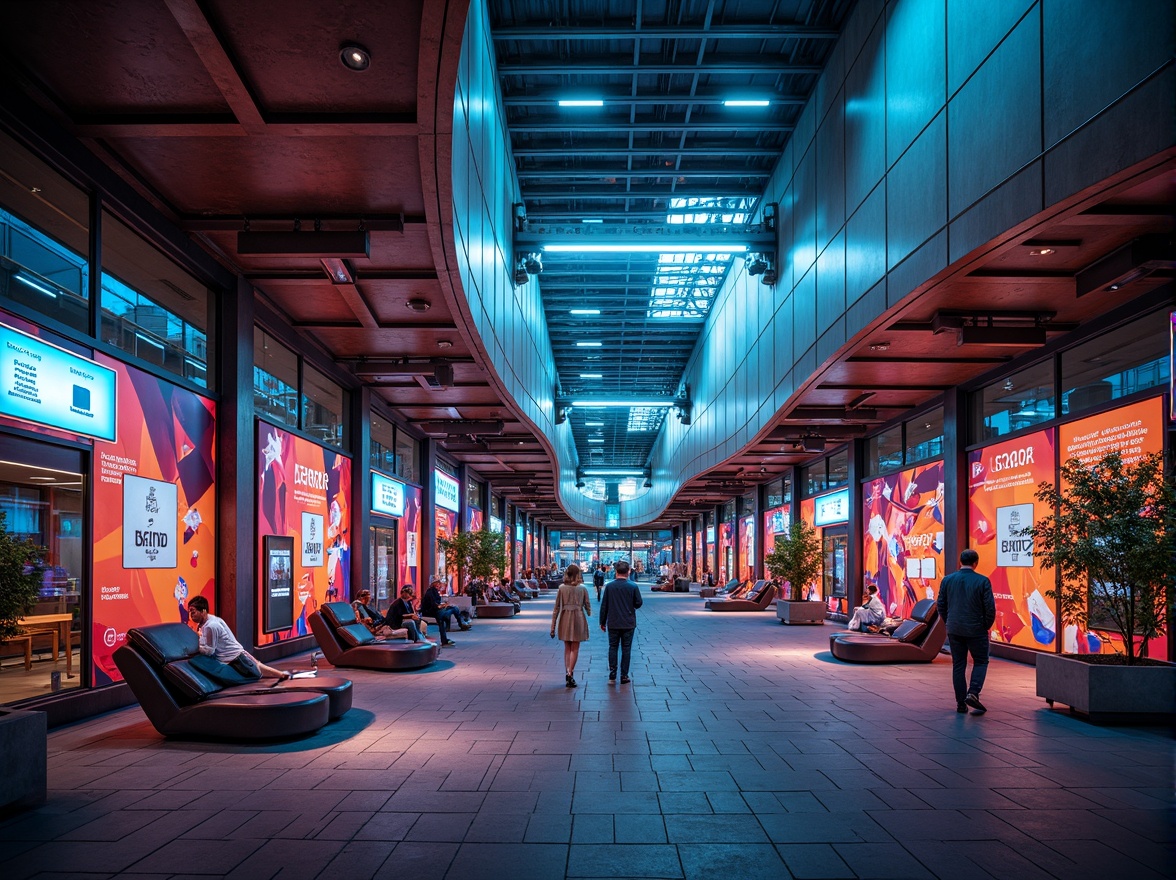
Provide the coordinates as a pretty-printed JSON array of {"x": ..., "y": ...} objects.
[
  {"x": 618, "y": 615},
  {"x": 967, "y": 605}
]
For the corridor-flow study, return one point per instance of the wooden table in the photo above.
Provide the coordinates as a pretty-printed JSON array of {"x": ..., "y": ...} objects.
[{"x": 58, "y": 626}]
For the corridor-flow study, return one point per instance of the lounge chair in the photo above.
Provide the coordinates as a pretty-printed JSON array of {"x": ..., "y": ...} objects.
[
  {"x": 757, "y": 600},
  {"x": 181, "y": 700},
  {"x": 347, "y": 642},
  {"x": 918, "y": 639}
]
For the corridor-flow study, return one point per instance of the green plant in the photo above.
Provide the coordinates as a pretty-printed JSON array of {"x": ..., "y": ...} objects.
[
  {"x": 20, "y": 579},
  {"x": 480, "y": 554},
  {"x": 796, "y": 558},
  {"x": 1112, "y": 539}
]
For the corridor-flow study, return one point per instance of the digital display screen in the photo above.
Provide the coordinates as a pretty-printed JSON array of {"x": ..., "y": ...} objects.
[
  {"x": 387, "y": 495},
  {"x": 446, "y": 491},
  {"x": 48, "y": 385}
]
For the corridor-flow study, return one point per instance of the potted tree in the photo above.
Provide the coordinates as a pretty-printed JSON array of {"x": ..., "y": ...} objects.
[
  {"x": 795, "y": 562},
  {"x": 22, "y": 733},
  {"x": 1111, "y": 537},
  {"x": 478, "y": 556}
]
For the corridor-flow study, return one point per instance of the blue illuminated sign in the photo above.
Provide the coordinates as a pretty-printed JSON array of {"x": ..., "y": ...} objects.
[
  {"x": 48, "y": 385},
  {"x": 446, "y": 491},
  {"x": 387, "y": 495},
  {"x": 832, "y": 508}
]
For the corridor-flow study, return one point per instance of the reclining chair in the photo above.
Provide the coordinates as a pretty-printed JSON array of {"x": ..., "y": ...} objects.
[
  {"x": 918, "y": 639},
  {"x": 181, "y": 700},
  {"x": 347, "y": 642},
  {"x": 757, "y": 600}
]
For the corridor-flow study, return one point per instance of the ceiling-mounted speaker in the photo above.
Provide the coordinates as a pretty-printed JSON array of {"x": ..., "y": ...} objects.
[
  {"x": 812, "y": 444},
  {"x": 303, "y": 244}
]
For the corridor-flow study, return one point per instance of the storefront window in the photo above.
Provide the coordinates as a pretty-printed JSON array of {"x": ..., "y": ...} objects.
[
  {"x": 151, "y": 308},
  {"x": 884, "y": 451},
  {"x": 1116, "y": 364},
  {"x": 474, "y": 492},
  {"x": 1014, "y": 403},
  {"x": 275, "y": 379},
  {"x": 837, "y": 469},
  {"x": 44, "y": 239},
  {"x": 924, "y": 436},
  {"x": 407, "y": 457},
  {"x": 383, "y": 449},
  {"x": 41, "y": 496},
  {"x": 323, "y": 405}
]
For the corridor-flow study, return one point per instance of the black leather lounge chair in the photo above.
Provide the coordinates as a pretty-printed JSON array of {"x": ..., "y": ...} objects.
[
  {"x": 347, "y": 642},
  {"x": 918, "y": 639},
  {"x": 181, "y": 700},
  {"x": 757, "y": 600}
]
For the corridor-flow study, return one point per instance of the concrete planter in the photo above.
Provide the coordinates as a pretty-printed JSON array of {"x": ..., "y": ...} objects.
[
  {"x": 24, "y": 752},
  {"x": 800, "y": 613},
  {"x": 1098, "y": 690}
]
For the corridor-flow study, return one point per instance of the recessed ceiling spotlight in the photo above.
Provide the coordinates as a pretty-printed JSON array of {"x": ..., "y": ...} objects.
[
  {"x": 418, "y": 305},
  {"x": 354, "y": 56},
  {"x": 880, "y": 346},
  {"x": 1041, "y": 252},
  {"x": 444, "y": 343}
]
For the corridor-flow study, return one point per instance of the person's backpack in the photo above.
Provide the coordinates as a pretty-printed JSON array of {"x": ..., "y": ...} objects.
[{"x": 598, "y": 578}]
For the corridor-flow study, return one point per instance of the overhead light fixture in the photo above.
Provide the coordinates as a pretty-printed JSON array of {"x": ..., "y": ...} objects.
[
  {"x": 584, "y": 312},
  {"x": 812, "y": 443},
  {"x": 746, "y": 102},
  {"x": 35, "y": 285},
  {"x": 613, "y": 472},
  {"x": 521, "y": 276},
  {"x": 417, "y": 304},
  {"x": 355, "y": 57},
  {"x": 756, "y": 264},
  {"x": 444, "y": 343},
  {"x": 591, "y": 220},
  {"x": 645, "y": 248},
  {"x": 336, "y": 270},
  {"x": 1008, "y": 385},
  {"x": 589, "y": 344},
  {"x": 591, "y": 375},
  {"x": 595, "y": 439},
  {"x": 629, "y": 403},
  {"x": 594, "y": 424},
  {"x": 581, "y": 102},
  {"x": 533, "y": 263},
  {"x": 880, "y": 346}
]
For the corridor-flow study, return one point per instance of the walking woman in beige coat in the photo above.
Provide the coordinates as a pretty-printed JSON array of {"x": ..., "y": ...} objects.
[{"x": 570, "y": 616}]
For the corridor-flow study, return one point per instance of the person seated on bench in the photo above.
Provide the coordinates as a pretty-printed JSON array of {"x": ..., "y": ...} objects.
[
  {"x": 432, "y": 605},
  {"x": 870, "y": 613},
  {"x": 402, "y": 614},
  {"x": 368, "y": 615},
  {"x": 220, "y": 652}
]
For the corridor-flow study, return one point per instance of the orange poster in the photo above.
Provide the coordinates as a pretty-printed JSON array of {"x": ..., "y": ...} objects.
[
  {"x": 155, "y": 509},
  {"x": 1133, "y": 431},
  {"x": 1002, "y": 480}
]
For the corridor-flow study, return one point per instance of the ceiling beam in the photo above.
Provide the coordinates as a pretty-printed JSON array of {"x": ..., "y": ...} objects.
[
  {"x": 638, "y": 30},
  {"x": 623, "y": 65}
]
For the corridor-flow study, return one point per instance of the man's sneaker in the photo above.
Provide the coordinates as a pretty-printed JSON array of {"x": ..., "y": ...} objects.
[
  {"x": 612, "y": 676},
  {"x": 974, "y": 701},
  {"x": 961, "y": 708},
  {"x": 624, "y": 679}
]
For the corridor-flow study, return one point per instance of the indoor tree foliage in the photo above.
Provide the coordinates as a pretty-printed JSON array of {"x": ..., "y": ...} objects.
[
  {"x": 796, "y": 558},
  {"x": 480, "y": 554},
  {"x": 20, "y": 579},
  {"x": 1112, "y": 539}
]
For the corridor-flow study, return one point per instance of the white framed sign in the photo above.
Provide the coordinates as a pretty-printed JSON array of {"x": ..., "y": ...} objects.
[
  {"x": 387, "y": 495},
  {"x": 150, "y": 523},
  {"x": 446, "y": 491},
  {"x": 312, "y": 540},
  {"x": 1014, "y": 549},
  {"x": 832, "y": 508}
]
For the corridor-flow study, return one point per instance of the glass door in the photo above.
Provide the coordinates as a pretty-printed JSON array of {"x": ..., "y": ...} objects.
[
  {"x": 836, "y": 547},
  {"x": 382, "y": 565}
]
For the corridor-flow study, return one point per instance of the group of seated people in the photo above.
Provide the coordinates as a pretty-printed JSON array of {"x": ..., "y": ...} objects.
[{"x": 401, "y": 614}]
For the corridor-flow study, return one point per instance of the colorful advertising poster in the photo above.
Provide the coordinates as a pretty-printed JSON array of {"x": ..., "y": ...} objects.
[
  {"x": 746, "y": 569},
  {"x": 304, "y": 493},
  {"x": 157, "y": 477},
  {"x": 726, "y": 563},
  {"x": 1132, "y": 431},
  {"x": 700, "y": 550},
  {"x": 775, "y": 523},
  {"x": 902, "y": 552},
  {"x": 474, "y": 519},
  {"x": 808, "y": 514},
  {"x": 1002, "y": 480},
  {"x": 445, "y": 527},
  {"x": 408, "y": 539}
]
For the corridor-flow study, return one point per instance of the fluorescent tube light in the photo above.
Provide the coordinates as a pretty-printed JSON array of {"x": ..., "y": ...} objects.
[
  {"x": 584, "y": 312},
  {"x": 645, "y": 248},
  {"x": 595, "y": 439},
  {"x": 40, "y": 288},
  {"x": 746, "y": 102},
  {"x": 589, "y": 344},
  {"x": 581, "y": 102},
  {"x": 629, "y": 403},
  {"x": 594, "y": 424},
  {"x": 613, "y": 472},
  {"x": 591, "y": 375}
]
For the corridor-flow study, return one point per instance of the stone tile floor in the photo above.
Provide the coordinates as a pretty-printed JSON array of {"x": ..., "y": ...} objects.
[{"x": 742, "y": 748}]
